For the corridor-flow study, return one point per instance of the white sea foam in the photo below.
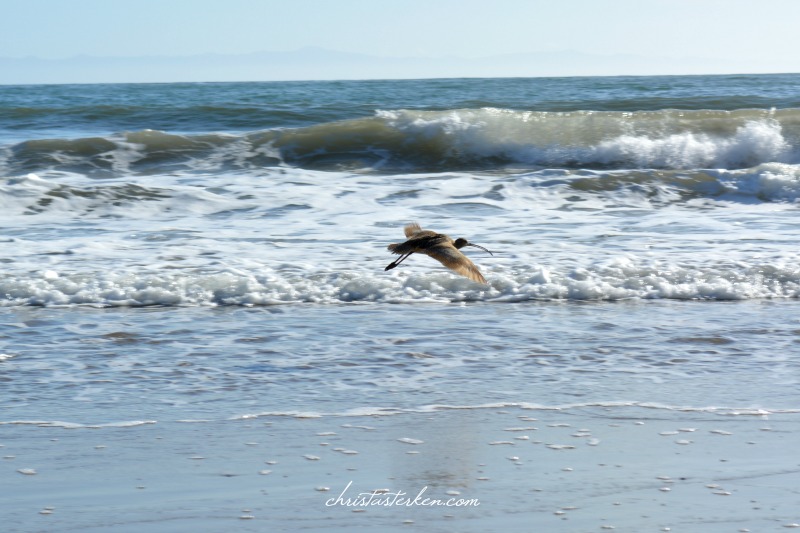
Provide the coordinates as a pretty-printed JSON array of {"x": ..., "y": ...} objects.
[
  {"x": 75, "y": 425},
  {"x": 771, "y": 181},
  {"x": 664, "y": 139},
  {"x": 610, "y": 408},
  {"x": 616, "y": 407},
  {"x": 616, "y": 280},
  {"x": 297, "y": 236},
  {"x": 753, "y": 143}
]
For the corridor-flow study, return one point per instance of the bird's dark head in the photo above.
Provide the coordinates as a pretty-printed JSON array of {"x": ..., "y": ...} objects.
[{"x": 462, "y": 242}]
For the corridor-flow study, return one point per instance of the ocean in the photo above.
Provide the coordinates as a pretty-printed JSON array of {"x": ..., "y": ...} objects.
[{"x": 200, "y": 266}]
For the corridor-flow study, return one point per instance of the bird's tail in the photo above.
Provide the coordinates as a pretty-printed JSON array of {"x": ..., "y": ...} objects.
[{"x": 402, "y": 248}]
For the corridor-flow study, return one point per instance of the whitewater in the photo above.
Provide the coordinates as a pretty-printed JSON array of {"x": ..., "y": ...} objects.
[{"x": 583, "y": 200}]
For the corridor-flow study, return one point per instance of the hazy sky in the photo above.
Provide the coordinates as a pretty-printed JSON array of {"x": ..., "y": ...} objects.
[{"x": 731, "y": 30}]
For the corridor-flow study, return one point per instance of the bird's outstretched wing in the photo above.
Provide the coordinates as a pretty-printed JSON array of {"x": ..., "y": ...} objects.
[
  {"x": 418, "y": 240},
  {"x": 449, "y": 256},
  {"x": 411, "y": 229}
]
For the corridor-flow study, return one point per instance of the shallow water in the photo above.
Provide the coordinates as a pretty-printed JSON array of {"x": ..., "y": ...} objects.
[{"x": 95, "y": 367}]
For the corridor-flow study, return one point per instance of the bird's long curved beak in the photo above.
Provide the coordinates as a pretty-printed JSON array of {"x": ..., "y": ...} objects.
[{"x": 481, "y": 247}]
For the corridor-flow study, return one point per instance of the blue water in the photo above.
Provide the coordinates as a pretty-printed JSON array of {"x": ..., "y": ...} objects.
[
  {"x": 69, "y": 111},
  {"x": 161, "y": 364},
  {"x": 194, "y": 196},
  {"x": 216, "y": 252}
]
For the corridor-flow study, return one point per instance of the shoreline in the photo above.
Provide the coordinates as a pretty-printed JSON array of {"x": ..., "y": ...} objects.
[{"x": 626, "y": 468}]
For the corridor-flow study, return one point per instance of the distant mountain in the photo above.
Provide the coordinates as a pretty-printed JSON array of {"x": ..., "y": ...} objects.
[{"x": 323, "y": 64}]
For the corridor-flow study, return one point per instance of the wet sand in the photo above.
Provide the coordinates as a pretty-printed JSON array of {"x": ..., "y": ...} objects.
[{"x": 479, "y": 469}]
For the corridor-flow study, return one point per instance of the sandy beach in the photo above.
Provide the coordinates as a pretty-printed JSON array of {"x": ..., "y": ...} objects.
[{"x": 505, "y": 468}]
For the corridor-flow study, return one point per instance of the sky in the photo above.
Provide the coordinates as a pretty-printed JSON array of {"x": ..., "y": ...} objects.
[{"x": 736, "y": 35}]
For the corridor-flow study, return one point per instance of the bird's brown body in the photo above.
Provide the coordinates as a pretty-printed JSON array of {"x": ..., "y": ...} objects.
[{"x": 438, "y": 246}]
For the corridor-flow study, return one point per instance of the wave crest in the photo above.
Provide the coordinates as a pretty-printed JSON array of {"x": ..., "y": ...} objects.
[
  {"x": 608, "y": 140},
  {"x": 458, "y": 139}
]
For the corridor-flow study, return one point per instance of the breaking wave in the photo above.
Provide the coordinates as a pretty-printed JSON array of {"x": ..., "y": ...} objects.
[{"x": 459, "y": 139}]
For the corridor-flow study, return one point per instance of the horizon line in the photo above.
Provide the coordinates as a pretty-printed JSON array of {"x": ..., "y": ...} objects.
[{"x": 410, "y": 78}]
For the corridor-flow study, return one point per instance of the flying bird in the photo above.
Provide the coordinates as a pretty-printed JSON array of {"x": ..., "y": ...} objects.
[{"x": 438, "y": 246}]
